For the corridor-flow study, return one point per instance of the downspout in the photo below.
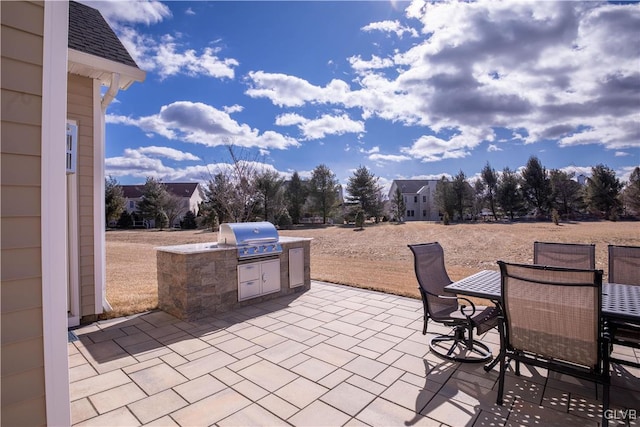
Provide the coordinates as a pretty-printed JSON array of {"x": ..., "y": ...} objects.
[{"x": 107, "y": 98}]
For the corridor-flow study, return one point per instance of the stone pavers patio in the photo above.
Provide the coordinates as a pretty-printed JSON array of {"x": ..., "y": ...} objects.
[{"x": 332, "y": 356}]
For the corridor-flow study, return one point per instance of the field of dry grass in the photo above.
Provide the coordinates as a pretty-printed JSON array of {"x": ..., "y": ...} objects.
[{"x": 376, "y": 257}]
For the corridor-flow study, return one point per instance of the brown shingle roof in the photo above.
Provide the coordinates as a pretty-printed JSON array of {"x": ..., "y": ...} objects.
[
  {"x": 90, "y": 33},
  {"x": 182, "y": 189}
]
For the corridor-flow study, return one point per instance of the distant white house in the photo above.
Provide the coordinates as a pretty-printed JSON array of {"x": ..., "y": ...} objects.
[
  {"x": 190, "y": 193},
  {"x": 419, "y": 198}
]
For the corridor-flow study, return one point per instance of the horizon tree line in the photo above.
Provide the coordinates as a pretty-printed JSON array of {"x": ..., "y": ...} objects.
[
  {"x": 245, "y": 191},
  {"x": 539, "y": 192}
]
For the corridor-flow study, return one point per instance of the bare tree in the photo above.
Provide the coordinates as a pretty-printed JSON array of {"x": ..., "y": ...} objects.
[
  {"x": 174, "y": 207},
  {"x": 232, "y": 191}
]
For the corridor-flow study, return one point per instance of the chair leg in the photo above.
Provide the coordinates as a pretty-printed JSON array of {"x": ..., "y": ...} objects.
[
  {"x": 424, "y": 327},
  {"x": 503, "y": 368},
  {"x": 517, "y": 367}
]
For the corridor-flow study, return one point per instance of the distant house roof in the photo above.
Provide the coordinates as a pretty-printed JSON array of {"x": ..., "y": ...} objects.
[
  {"x": 90, "y": 33},
  {"x": 412, "y": 185},
  {"x": 182, "y": 189}
]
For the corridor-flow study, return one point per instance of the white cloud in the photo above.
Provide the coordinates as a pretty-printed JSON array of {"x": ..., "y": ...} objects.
[
  {"x": 233, "y": 109},
  {"x": 390, "y": 27},
  {"x": 203, "y": 124},
  {"x": 493, "y": 147},
  {"x": 388, "y": 157},
  {"x": 621, "y": 154},
  {"x": 373, "y": 150},
  {"x": 167, "y": 57},
  {"x": 290, "y": 119},
  {"x": 143, "y": 12},
  {"x": 154, "y": 151},
  {"x": 541, "y": 70},
  {"x": 169, "y": 62},
  {"x": 322, "y": 126},
  {"x": 290, "y": 91},
  {"x": 431, "y": 148},
  {"x": 189, "y": 11},
  {"x": 330, "y": 125},
  {"x": 360, "y": 65}
]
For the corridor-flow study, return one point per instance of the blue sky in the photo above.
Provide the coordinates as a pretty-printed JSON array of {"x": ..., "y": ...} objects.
[{"x": 407, "y": 89}]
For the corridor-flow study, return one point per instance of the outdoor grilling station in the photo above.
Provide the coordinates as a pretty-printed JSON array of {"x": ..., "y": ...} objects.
[{"x": 250, "y": 263}]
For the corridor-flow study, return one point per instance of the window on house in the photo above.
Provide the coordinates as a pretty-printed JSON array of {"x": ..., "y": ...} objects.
[
  {"x": 424, "y": 213},
  {"x": 415, "y": 199},
  {"x": 132, "y": 204},
  {"x": 410, "y": 213},
  {"x": 424, "y": 199}
]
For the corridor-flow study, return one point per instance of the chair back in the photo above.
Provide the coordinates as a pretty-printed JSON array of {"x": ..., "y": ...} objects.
[
  {"x": 553, "y": 312},
  {"x": 571, "y": 255},
  {"x": 624, "y": 264},
  {"x": 432, "y": 277}
]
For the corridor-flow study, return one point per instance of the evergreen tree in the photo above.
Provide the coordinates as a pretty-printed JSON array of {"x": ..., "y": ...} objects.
[
  {"x": 270, "y": 190},
  {"x": 536, "y": 186},
  {"x": 296, "y": 196},
  {"x": 490, "y": 179},
  {"x": 566, "y": 194},
  {"x": 154, "y": 195},
  {"x": 603, "y": 191},
  {"x": 363, "y": 188},
  {"x": 445, "y": 199},
  {"x": 189, "y": 221},
  {"x": 323, "y": 187},
  {"x": 125, "y": 220},
  {"x": 479, "y": 198},
  {"x": 398, "y": 206},
  {"x": 631, "y": 193},
  {"x": 217, "y": 199},
  {"x": 462, "y": 194},
  {"x": 508, "y": 193},
  {"x": 114, "y": 201}
]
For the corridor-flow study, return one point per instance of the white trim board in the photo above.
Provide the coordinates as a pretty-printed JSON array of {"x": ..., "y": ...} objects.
[{"x": 54, "y": 213}]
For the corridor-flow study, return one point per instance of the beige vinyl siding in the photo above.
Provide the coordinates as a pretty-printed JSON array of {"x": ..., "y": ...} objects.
[
  {"x": 80, "y": 109},
  {"x": 23, "y": 392}
]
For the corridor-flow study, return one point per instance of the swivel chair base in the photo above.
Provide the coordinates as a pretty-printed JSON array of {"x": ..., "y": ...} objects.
[{"x": 445, "y": 346}]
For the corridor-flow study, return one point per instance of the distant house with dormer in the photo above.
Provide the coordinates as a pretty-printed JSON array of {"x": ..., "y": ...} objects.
[
  {"x": 189, "y": 192},
  {"x": 419, "y": 198}
]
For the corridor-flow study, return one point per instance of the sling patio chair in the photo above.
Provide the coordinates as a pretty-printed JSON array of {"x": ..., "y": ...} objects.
[
  {"x": 624, "y": 267},
  {"x": 572, "y": 255},
  {"x": 552, "y": 319},
  {"x": 442, "y": 307}
]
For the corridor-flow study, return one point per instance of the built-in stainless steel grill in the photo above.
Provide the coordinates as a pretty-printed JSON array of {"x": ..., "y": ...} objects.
[{"x": 253, "y": 239}]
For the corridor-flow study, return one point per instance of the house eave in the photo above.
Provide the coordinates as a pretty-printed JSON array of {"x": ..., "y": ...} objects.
[{"x": 102, "y": 69}]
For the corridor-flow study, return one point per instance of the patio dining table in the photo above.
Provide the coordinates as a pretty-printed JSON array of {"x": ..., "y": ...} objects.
[{"x": 620, "y": 302}]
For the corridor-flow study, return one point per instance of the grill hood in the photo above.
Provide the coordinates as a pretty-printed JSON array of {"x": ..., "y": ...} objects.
[{"x": 253, "y": 239}]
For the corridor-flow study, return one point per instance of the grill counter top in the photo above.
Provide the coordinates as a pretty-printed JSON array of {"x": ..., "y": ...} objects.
[{"x": 194, "y": 248}]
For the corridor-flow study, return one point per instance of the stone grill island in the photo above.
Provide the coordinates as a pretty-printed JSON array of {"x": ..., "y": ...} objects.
[{"x": 202, "y": 279}]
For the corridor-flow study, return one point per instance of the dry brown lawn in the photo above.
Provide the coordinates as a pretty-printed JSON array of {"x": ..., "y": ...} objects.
[{"x": 375, "y": 258}]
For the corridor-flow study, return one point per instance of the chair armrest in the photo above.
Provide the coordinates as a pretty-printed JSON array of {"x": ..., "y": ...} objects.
[{"x": 462, "y": 306}]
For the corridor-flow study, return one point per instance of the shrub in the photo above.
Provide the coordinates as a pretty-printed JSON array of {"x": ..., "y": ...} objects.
[
  {"x": 189, "y": 221},
  {"x": 125, "y": 220},
  {"x": 555, "y": 217},
  {"x": 284, "y": 219}
]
